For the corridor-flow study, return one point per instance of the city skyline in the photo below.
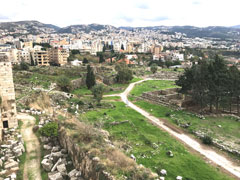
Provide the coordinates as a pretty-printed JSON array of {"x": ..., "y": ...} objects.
[{"x": 200, "y": 13}]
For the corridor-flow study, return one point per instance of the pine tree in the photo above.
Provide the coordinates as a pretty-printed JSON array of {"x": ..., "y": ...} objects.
[
  {"x": 122, "y": 47},
  {"x": 90, "y": 79}
]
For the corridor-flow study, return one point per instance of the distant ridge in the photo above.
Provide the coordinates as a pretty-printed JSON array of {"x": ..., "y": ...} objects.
[{"x": 35, "y": 27}]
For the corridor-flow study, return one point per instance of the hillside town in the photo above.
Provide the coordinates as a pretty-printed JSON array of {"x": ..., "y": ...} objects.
[{"x": 21, "y": 45}]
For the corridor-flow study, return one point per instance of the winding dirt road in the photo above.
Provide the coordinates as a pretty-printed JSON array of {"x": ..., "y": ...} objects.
[
  {"x": 210, "y": 154},
  {"x": 33, "y": 156}
]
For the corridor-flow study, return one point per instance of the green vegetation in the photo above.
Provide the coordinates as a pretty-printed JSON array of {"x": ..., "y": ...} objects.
[
  {"x": 22, "y": 160},
  {"x": 98, "y": 91},
  {"x": 82, "y": 91},
  {"x": 90, "y": 80},
  {"x": 229, "y": 130},
  {"x": 212, "y": 84},
  {"x": 149, "y": 144},
  {"x": 64, "y": 83},
  {"x": 49, "y": 130},
  {"x": 152, "y": 85},
  {"x": 124, "y": 73},
  {"x": 154, "y": 68}
]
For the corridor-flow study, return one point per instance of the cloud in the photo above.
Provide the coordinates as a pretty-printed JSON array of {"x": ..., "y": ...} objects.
[
  {"x": 143, "y": 6},
  {"x": 196, "y": 3},
  {"x": 126, "y": 19},
  {"x": 158, "y": 19},
  {"x": 2, "y": 17}
]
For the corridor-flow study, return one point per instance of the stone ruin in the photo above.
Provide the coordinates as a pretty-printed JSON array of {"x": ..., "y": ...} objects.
[
  {"x": 167, "y": 97},
  {"x": 7, "y": 93}
]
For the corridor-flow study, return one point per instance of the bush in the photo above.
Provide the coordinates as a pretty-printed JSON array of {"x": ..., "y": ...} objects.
[
  {"x": 24, "y": 66},
  {"x": 49, "y": 130},
  {"x": 207, "y": 140},
  {"x": 167, "y": 114},
  {"x": 64, "y": 83}
]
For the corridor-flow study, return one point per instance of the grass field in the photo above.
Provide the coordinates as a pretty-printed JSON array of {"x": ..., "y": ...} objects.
[
  {"x": 149, "y": 144},
  {"x": 229, "y": 128},
  {"x": 226, "y": 129},
  {"x": 152, "y": 85}
]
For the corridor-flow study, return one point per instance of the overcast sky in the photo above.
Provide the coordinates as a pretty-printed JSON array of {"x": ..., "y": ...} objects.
[{"x": 124, "y": 12}]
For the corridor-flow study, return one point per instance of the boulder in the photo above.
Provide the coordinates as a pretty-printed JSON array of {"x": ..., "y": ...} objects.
[
  {"x": 55, "y": 176},
  {"x": 73, "y": 173},
  {"x": 61, "y": 168},
  {"x": 55, "y": 149},
  {"x": 9, "y": 165},
  {"x": 163, "y": 172},
  {"x": 55, "y": 166},
  {"x": 179, "y": 178},
  {"x": 47, "y": 147},
  {"x": 47, "y": 164},
  {"x": 56, "y": 155}
]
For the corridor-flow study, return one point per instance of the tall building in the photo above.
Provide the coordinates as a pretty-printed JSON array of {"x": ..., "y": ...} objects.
[
  {"x": 41, "y": 58},
  {"x": 8, "y": 110},
  {"x": 58, "y": 56}
]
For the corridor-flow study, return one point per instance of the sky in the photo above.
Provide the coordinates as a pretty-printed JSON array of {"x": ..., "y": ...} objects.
[{"x": 135, "y": 13}]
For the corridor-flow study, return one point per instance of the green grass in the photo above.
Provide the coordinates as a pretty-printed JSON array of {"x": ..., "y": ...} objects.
[
  {"x": 152, "y": 85},
  {"x": 22, "y": 159},
  {"x": 230, "y": 127},
  {"x": 172, "y": 70},
  {"x": 121, "y": 87},
  {"x": 82, "y": 91},
  {"x": 111, "y": 98},
  {"x": 141, "y": 136}
]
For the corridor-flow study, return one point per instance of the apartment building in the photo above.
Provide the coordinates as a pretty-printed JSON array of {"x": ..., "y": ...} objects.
[
  {"x": 58, "y": 56},
  {"x": 41, "y": 58}
]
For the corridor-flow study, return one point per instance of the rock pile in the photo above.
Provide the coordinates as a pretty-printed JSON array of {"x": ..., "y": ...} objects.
[
  {"x": 57, "y": 162},
  {"x": 11, "y": 149}
]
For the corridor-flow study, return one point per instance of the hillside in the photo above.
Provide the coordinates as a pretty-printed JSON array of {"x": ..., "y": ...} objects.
[
  {"x": 28, "y": 27},
  {"x": 85, "y": 28}
]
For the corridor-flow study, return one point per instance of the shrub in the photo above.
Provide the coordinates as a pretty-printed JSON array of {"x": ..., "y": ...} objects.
[
  {"x": 64, "y": 83},
  {"x": 24, "y": 66},
  {"x": 167, "y": 114},
  {"x": 207, "y": 140},
  {"x": 49, "y": 130}
]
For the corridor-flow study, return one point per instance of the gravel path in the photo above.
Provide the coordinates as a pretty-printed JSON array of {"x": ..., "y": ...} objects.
[{"x": 32, "y": 164}]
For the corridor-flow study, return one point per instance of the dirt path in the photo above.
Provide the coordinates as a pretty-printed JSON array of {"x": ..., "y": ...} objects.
[
  {"x": 207, "y": 152},
  {"x": 32, "y": 164}
]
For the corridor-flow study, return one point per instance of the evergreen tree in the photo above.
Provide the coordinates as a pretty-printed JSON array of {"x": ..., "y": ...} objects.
[
  {"x": 90, "y": 79},
  {"x": 101, "y": 59},
  {"x": 85, "y": 61},
  {"x": 122, "y": 47}
]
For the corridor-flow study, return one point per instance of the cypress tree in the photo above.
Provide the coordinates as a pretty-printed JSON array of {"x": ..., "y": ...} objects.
[{"x": 90, "y": 79}]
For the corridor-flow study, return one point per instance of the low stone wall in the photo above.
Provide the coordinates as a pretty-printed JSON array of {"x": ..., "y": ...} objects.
[{"x": 89, "y": 166}]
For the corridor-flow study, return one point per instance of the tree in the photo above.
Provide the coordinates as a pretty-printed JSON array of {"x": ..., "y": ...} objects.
[
  {"x": 154, "y": 68},
  {"x": 64, "y": 83},
  {"x": 122, "y": 47},
  {"x": 24, "y": 66},
  {"x": 124, "y": 73},
  {"x": 85, "y": 61},
  {"x": 90, "y": 79},
  {"x": 101, "y": 59},
  {"x": 98, "y": 91},
  {"x": 0, "y": 100},
  {"x": 233, "y": 86}
]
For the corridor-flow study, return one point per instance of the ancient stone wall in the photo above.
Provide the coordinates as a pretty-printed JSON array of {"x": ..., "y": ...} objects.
[
  {"x": 89, "y": 166},
  {"x": 8, "y": 106}
]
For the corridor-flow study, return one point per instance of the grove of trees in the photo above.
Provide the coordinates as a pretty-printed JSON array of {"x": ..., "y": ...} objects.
[{"x": 212, "y": 84}]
